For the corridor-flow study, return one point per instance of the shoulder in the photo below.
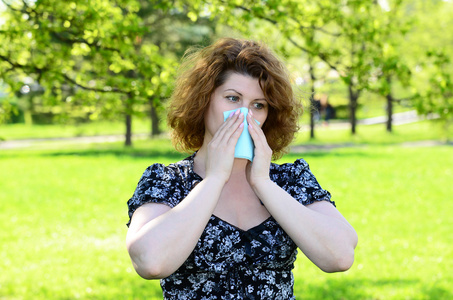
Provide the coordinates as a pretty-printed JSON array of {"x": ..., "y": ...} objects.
[
  {"x": 162, "y": 184},
  {"x": 285, "y": 169},
  {"x": 173, "y": 171},
  {"x": 297, "y": 179}
]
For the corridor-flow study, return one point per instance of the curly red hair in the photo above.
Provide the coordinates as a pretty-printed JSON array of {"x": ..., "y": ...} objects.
[{"x": 204, "y": 70}]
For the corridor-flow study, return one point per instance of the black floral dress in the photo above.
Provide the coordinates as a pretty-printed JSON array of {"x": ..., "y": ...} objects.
[{"x": 228, "y": 262}]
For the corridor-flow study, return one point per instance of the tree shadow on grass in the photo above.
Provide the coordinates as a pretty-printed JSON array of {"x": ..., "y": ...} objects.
[
  {"x": 338, "y": 149},
  {"x": 139, "y": 153},
  {"x": 437, "y": 292},
  {"x": 118, "y": 151},
  {"x": 360, "y": 289},
  {"x": 164, "y": 149},
  {"x": 321, "y": 152}
]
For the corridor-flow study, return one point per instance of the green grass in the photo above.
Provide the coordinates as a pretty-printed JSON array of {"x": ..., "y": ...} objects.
[
  {"x": 376, "y": 134},
  {"x": 398, "y": 199},
  {"x": 62, "y": 222},
  {"x": 23, "y": 131}
]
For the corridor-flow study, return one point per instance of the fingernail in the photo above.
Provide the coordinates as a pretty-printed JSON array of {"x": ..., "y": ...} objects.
[
  {"x": 231, "y": 113},
  {"x": 237, "y": 111}
]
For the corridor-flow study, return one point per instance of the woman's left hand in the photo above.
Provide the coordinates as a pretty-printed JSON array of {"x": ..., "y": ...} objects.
[{"x": 258, "y": 171}]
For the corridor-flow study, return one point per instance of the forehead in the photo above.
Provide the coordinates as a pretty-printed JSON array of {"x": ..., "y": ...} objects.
[{"x": 242, "y": 83}]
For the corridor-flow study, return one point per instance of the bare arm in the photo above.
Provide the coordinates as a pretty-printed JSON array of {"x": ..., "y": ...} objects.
[
  {"x": 159, "y": 238},
  {"x": 318, "y": 229}
]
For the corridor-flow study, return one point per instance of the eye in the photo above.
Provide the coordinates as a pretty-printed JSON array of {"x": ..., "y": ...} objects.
[
  {"x": 232, "y": 98},
  {"x": 259, "y": 105}
]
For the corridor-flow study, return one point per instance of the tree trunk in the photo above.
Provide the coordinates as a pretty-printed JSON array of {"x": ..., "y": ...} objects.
[
  {"x": 353, "y": 101},
  {"x": 28, "y": 117},
  {"x": 312, "y": 117},
  {"x": 312, "y": 99},
  {"x": 28, "y": 111},
  {"x": 389, "y": 106},
  {"x": 389, "y": 112},
  {"x": 128, "y": 140},
  {"x": 155, "y": 131}
]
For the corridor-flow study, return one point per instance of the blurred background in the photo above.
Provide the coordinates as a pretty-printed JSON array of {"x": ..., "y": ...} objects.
[{"x": 83, "y": 91}]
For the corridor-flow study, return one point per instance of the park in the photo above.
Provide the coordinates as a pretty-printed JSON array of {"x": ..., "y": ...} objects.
[{"x": 82, "y": 115}]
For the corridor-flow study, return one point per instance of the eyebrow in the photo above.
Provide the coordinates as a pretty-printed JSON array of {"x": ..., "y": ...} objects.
[
  {"x": 233, "y": 91},
  {"x": 263, "y": 99}
]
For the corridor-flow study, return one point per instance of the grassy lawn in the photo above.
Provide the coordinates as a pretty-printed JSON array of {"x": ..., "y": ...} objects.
[
  {"x": 63, "y": 216},
  {"x": 23, "y": 131},
  {"x": 376, "y": 134}
]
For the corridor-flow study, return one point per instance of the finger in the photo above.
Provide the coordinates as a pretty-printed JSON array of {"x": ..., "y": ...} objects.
[
  {"x": 231, "y": 125},
  {"x": 229, "y": 120},
  {"x": 255, "y": 131},
  {"x": 236, "y": 134},
  {"x": 232, "y": 134},
  {"x": 259, "y": 138},
  {"x": 228, "y": 128}
]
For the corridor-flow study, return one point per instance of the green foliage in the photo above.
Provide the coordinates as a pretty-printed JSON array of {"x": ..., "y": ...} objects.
[
  {"x": 428, "y": 51},
  {"x": 370, "y": 45},
  {"x": 94, "y": 60},
  {"x": 82, "y": 46},
  {"x": 437, "y": 97},
  {"x": 7, "y": 110},
  {"x": 104, "y": 59},
  {"x": 354, "y": 39}
]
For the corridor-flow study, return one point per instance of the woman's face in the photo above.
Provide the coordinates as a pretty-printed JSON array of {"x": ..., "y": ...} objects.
[{"x": 237, "y": 91}]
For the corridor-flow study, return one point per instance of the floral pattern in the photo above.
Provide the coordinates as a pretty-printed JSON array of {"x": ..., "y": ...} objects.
[{"x": 228, "y": 262}]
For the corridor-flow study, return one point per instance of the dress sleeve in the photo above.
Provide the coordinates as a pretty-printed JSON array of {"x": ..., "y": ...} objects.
[
  {"x": 158, "y": 184},
  {"x": 301, "y": 184}
]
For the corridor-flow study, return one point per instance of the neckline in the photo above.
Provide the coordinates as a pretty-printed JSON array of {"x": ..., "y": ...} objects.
[
  {"x": 190, "y": 159},
  {"x": 254, "y": 228}
]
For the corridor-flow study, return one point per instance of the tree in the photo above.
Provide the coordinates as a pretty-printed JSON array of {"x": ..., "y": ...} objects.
[
  {"x": 429, "y": 48},
  {"x": 437, "y": 98},
  {"x": 344, "y": 35},
  {"x": 105, "y": 58},
  {"x": 390, "y": 65},
  {"x": 89, "y": 47},
  {"x": 174, "y": 29}
]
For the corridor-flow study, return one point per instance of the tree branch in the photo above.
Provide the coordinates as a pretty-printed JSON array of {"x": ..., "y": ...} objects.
[
  {"x": 105, "y": 90},
  {"x": 40, "y": 71},
  {"x": 16, "y": 65},
  {"x": 312, "y": 27},
  {"x": 322, "y": 56},
  {"x": 81, "y": 40}
]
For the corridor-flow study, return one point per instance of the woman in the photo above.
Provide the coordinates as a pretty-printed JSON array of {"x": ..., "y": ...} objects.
[{"x": 214, "y": 226}]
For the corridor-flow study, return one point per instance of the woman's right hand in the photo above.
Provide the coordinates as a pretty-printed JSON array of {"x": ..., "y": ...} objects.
[
  {"x": 220, "y": 150},
  {"x": 155, "y": 227}
]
